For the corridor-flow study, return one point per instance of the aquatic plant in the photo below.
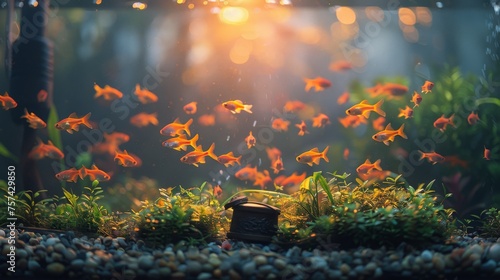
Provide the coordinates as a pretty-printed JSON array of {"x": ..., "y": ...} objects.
[{"x": 489, "y": 222}]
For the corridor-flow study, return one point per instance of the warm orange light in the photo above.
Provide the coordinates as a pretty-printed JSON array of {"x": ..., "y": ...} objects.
[
  {"x": 233, "y": 15},
  {"x": 181, "y": 1},
  {"x": 191, "y": 6},
  {"x": 98, "y": 2},
  {"x": 240, "y": 53},
  {"x": 410, "y": 33},
  {"x": 374, "y": 13},
  {"x": 346, "y": 15},
  {"x": 139, "y": 6},
  {"x": 424, "y": 16},
  {"x": 407, "y": 16}
]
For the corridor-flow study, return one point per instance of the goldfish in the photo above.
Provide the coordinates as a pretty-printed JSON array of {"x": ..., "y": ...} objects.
[
  {"x": 353, "y": 121},
  {"x": 473, "y": 118},
  {"x": 176, "y": 128},
  {"x": 144, "y": 119},
  {"x": 246, "y": 173},
  {"x": 341, "y": 65},
  {"x": 432, "y": 157},
  {"x": 217, "y": 191},
  {"x": 313, "y": 156},
  {"x": 441, "y": 123},
  {"x": 7, "y": 102},
  {"x": 364, "y": 109},
  {"x": 144, "y": 95},
  {"x": 343, "y": 98},
  {"x": 229, "y": 159},
  {"x": 124, "y": 159},
  {"x": 236, "y": 106},
  {"x": 250, "y": 140},
  {"x": 302, "y": 128},
  {"x": 45, "y": 150},
  {"x": 291, "y": 180},
  {"x": 293, "y": 106},
  {"x": 72, "y": 123},
  {"x": 378, "y": 123},
  {"x": 416, "y": 99},
  {"x": 263, "y": 179},
  {"x": 321, "y": 120},
  {"x": 388, "y": 134},
  {"x": 273, "y": 153},
  {"x": 94, "y": 174},
  {"x": 277, "y": 165},
  {"x": 486, "y": 153},
  {"x": 198, "y": 155},
  {"x": 206, "y": 120},
  {"x": 108, "y": 93},
  {"x": 427, "y": 87},
  {"x": 456, "y": 161},
  {"x": 280, "y": 124},
  {"x": 34, "y": 121},
  {"x": 117, "y": 138},
  {"x": 319, "y": 84},
  {"x": 407, "y": 112},
  {"x": 367, "y": 166},
  {"x": 69, "y": 175},
  {"x": 103, "y": 148},
  {"x": 375, "y": 174},
  {"x": 346, "y": 153},
  {"x": 180, "y": 142},
  {"x": 42, "y": 95},
  {"x": 190, "y": 108},
  {"x": 389, "y": 89}
]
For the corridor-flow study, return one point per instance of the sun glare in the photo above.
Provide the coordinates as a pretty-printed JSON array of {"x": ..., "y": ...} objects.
[{"x": 233, "y": 15}]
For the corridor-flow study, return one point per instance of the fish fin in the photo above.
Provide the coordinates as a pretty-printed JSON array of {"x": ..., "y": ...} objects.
[
  {"x": 323, "y": 154},
  {"x": 422, "y": 155},
  {"x": 69, "y": 130},
  {"x": 82, "y": 172},
  {"x": 194, "y": 140},
  {"x": 98, "y": 90},
  {"x": 389, "y": 127},
  {"x": 377, "y": 107},
  {"x": 137, "y": 89},
  {"x": 401, "y": 132},
  {"x": 376, "y": 165},
  {"x": 364, "y": 102},
  {"x": 386, "y": 142},
  {"x": 451, "y": 120},
  {"x": 238, "y": 160},
  {"x": 176, "y": 120},
  {"x": 186, "y": 126},
  {"x": 366, "y": 114},
  {"x": 211, "y": 152},
  {"x": 309, "y": 84},
  {"x": 76, "y": 128},
  {"x": 248, "y": 108}
]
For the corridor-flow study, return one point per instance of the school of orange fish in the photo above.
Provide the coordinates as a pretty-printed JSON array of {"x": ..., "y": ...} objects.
[{"x": 180, "y": 133}]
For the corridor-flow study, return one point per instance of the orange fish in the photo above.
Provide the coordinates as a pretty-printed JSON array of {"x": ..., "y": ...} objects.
[
  {"x": 456, "y": 161},
  {"x": 180, "y": 142},
  {"x": 441, "y": 123},
  {"x": 341, "y": 65},
  {"x": 263, "y": 179},
  {"x": 124, "y": 159},
  {"x": 229, "y": 159},
  {"x": 69, "y": 175},
  {"x": 389, "y": 89},
  {"x": 346, "y": 153},
  {"x": 293, "y": 106},
  {"x": 388, "y": 134},
  {"x": 343, "y": 98},
  {"x": 313, "y": 156},
  {"x": 198, "y": 155},
  {"x": 236, "y": 106},
  {"x": 280, "y": 124},
  {"x": 176, "y": 128},
  {"x": 367, "y": 167},
  {"x": 42, "y": 95},
  {"x": 416, "y": 99},
  {"x": 277, "y": 165},
  {"x": 206, "y": 120},
  {"x": 144, "y": 95},
  {"x": 104, "y": 148},
  {"x": 190, "y": 108},
  {"x": 319, "y": 84},
  {"x": 250, "y": 140},
  {"x": 116, "y": 138},
  {"x": 406, "y": 112},
  {"x": 427, "y": 87},
  {"x": 378, "y": 123},
  {"x": 353, "y": 121},
  {"x": 321, "y": 120},
  {"x": 291, "y": 180},
  {"x": 302, "y": 128},
  {"x": 34, "y": 121},
  {"x": 375, "y": 175},
  {"x": 246, "y": 173},
  {"x": 217, "y": 191},
  {"x": 473, "y": 118},
  {"x": 108, "y": 93},
  {"x": 94, "y": 174},
  {"x": 486, "y": 153},
  {"x": 45, "y": 150},
  {"x": 364, "y": 109},
  {"x": 7, "y": 102},
  {"x": 432, "y": 157},
  {"x": 144, "y": 119},
  {"x": 273, "y": 153},
  {"x": 72, "y": 123}
]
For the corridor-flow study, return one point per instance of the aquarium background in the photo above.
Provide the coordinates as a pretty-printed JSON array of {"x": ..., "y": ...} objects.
[{"x": 261, "y": 56}]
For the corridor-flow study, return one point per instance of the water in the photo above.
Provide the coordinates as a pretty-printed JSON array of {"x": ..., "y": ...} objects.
[{"x": 261, "y": 57}]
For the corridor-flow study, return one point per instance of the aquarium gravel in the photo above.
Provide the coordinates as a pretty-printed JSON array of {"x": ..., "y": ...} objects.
[{"x": 64, "y": 256}]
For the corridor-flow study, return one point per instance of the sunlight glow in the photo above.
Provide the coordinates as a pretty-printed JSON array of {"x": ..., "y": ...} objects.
[
  {"x": 346, "y": 15},
  {"x": 233, "y": 15},
  {"x": 139, "y": 6},
  {"x": 407, "y": 16}
]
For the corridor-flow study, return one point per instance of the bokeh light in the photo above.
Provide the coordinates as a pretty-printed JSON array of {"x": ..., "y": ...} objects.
[
  {"x": 407, "y": 16},
  {"x": 233, "y": 15},
  {"x": 240, "y": 52},
  {"x": 346, "y": 15},
  {"x": 424, "y": 16},
  {"x": 374, "y": 13}
]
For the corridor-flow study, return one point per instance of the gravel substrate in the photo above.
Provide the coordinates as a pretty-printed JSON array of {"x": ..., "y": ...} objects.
[{"x": 63, "y": 256}]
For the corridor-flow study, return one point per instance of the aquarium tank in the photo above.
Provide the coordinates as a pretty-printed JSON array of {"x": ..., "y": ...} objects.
[{"x": 131, "y": 132}]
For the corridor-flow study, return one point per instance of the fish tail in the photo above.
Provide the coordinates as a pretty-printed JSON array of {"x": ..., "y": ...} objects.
[
  {"x": 137, "y": 89},
  {"x": 85, "y": 120},
  {"x": 247, "y": 108},
  {"x": 186, "y": 126},
  {"x": 377, "y": 108},
  {"x": 376, "y": 165},
  {"x": 401, "y": 113},
  {"x": 210, "y": 152},
  {"x": 238, "y": 160},
  {"x": 193, "y": 141},
  {"x": 422, "y": 155},
  {"x": 309, "y": 84},
  {"x": 451, "y": 120},
  {"x": 82, "y": 172},
  {"x": 323, "y": 154},
  {"x": 98, "y": 90},
  {"x": 401, "y": 132}
]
